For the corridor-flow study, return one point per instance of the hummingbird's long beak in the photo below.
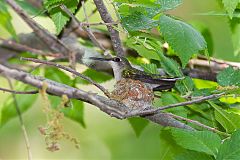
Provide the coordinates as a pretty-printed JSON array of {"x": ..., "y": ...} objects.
[{"x": 100, "y": 59}]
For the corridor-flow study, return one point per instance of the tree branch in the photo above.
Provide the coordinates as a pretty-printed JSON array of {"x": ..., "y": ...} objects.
[
  {"x": 109, "y": 106},
  {"x": 199, "y": 124},
  {"x": 69, "y": 70},
  {"x": 106, "y": 17},
  {"x": 18, "y": 92},
  {"x": 153, "y": 111}
]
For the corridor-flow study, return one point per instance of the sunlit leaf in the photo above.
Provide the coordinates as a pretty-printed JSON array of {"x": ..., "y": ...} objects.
[{"x": 230, "y": 6}]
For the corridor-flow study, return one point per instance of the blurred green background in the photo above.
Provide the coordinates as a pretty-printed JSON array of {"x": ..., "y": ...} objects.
[{"x": 106, "y": 137}]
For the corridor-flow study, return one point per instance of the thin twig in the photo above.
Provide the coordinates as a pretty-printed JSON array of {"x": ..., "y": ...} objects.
[
  {"x": 18, "y": 92},
  {"x": 69, "y": 70},
  {"x": 153, "y": 111},
  {"x": 199, "y": 124},
  {"x": 21, "y": 121},
  {"x": 49, "y": 39},
  {"x": 91, "y": 14},
  {"x": 106, "y": 17},
  {"x": 89, "y": 32}
]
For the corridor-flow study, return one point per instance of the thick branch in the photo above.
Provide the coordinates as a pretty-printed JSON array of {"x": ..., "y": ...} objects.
[{"x": 109, "y": 106}]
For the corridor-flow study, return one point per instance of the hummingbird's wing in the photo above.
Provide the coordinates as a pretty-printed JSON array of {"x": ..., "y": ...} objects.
[{"x": 150, "y": 78}]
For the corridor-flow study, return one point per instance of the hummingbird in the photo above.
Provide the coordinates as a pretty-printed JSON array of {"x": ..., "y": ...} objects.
[
  {"x": 134, "y": 87},
  {"x": 123, "y": 69}
]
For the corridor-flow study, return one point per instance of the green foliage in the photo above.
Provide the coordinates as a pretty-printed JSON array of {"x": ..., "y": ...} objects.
[
  {"x": 59, "y": 16},
  {"x": 150, "y": 68},
  {"x": 230, "y": 6},
  {"x": 142, "y": 46},
  {"x": 30, "y": 9},
  {"x": 138, "y": 124},
  {"x": 168, "y": 4},
  {"x": 171, "y": 98},
  {"x": 138, "y": 21},
  {"x": 24, "y": 102},
  {"x": 190, "y": 155},
  {"x": 74, "y": 110},
  {"x": 185, "y": 86},
  {"x": 98, "y": 77},
  {"x": 182, "y": 37},
  {"x": 5, "y": 20},
  {"x": 58, "y": 76},
  {"x": 200, "y": 141},
  {"x": 230, "y": 149},
  {"x": 229, "y": 121},
  {"x": 170, "y": 66},
  {"x": 229, "y": 77}
]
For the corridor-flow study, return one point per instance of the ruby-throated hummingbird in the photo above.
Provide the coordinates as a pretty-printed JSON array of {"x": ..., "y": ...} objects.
[{"x": 123, "y": 69}]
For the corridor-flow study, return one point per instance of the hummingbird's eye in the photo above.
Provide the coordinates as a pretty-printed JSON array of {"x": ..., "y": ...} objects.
[{"x": 116, "y": 59}]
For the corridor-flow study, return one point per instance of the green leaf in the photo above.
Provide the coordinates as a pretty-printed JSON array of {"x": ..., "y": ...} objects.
[
  {"x": 165, "y": 5},
  {"x": 6, "y": 20},
  {"x": 230, "y": 149},
  {"x": 60, "y": 19},
  {"x": 29, "y": 8},
  {"x": 200, "y": 141},
  {"x": 229, "y": 77},
  {"x": 75, "y": 111},
  {"x": 24, "y": 102},
  {"x": 229, "y": 121},
  {"x": 170, "y": 66},
  {"x": 150, "y": 68},
  {"x": 138, "y": 124},
  {"x": 59, "y": 16},
  {"x": 183, "y": 38},
  {"x": 142, "y": 47},
  {"x": 171, "y": 98},
  {"x": 185, "y": 86},
  {"x": 230, "y": 6},
  {"x": 58, "y": 76},
  {"x": 168, "y": 4},
  {"x": 190, "y": 155},
  {"x": 97, "y": 76},
  {"x": 138, "y": 21}
]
